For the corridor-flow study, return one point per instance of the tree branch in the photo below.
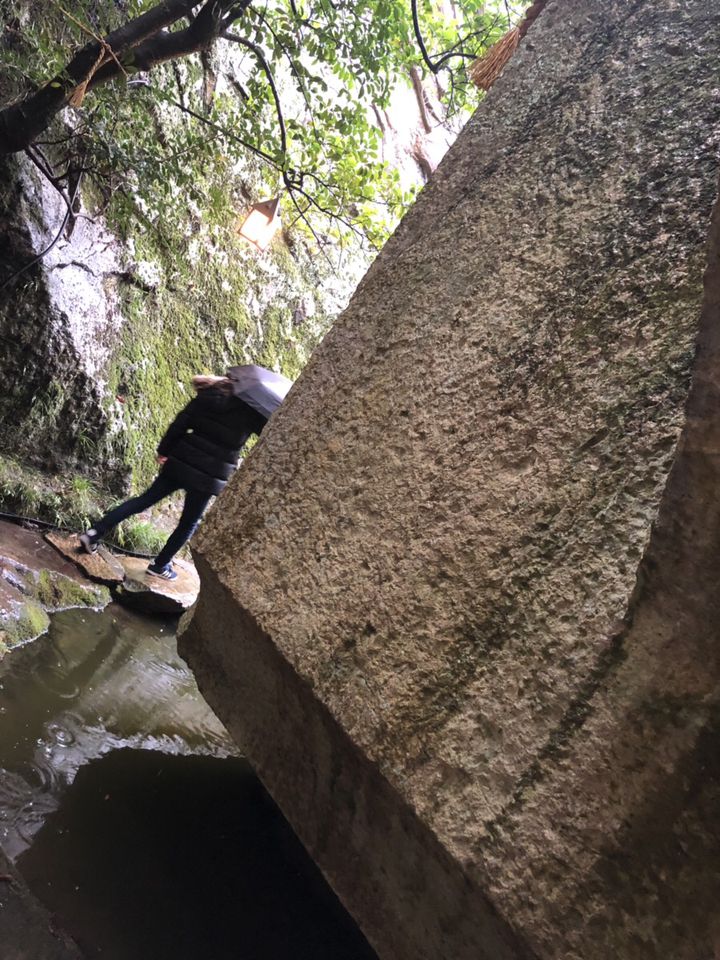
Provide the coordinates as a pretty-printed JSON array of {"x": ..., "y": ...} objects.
[
  {"x": 226, "y": 133},
  {"x": 164, "y": 46},
  {"x": 141, "y": 44},
  {"x": 293, "y": 67},
  {"x": 271, "y": 80},
  {"x": 310, "y": 227},
  {"x": 295, "y": 185},
  {"x": 68, "y": 213},
  {"x": 419, "y": 37},
  {"x": 434, "y": 66}
]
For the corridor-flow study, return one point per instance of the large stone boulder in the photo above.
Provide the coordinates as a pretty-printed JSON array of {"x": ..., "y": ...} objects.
[{"x": 461, "y": 606}]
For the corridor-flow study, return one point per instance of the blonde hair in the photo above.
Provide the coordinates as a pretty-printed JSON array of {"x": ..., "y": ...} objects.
[{"x": 203, "y": 381}]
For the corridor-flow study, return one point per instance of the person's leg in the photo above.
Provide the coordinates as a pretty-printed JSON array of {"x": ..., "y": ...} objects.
[
  {"x": 193, "y": 509},
  {"x": 160, "y": 488}
]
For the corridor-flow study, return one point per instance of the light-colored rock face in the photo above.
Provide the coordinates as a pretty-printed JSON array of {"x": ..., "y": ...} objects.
[
  {"x": 81, "y": 273},
  {"x": 421, "y": 612}
]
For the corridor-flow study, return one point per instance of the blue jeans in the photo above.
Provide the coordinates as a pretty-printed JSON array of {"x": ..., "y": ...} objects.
[{"x": 161, "y": 487}]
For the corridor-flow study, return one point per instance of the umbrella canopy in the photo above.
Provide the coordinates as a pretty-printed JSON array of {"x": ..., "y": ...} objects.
[{"x": 264, "y": 390}]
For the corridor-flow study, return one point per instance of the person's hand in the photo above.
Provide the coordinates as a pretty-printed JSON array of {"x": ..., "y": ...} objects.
[{"x": 161, "y": 460}]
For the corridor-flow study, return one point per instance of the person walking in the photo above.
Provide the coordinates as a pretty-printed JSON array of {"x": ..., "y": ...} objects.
[{"x": 198, "y": 454}]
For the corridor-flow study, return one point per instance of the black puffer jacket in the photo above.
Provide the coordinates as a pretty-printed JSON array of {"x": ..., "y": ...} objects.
[{"x": 203, "y": 442}]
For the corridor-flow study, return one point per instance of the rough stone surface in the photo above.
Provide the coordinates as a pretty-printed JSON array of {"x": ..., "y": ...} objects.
[
  {"x": 128, "y": 576},
  {"x": 35, "y": 581},
  {"x": 101, "y": 566},
  {"x": 27, "y": 931},
  {"x": 153, "y": 595},
  {"x": 460, "y": 605}
]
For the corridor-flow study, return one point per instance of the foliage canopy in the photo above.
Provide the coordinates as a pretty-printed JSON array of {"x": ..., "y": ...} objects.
[{"x": 299, "y": 85}]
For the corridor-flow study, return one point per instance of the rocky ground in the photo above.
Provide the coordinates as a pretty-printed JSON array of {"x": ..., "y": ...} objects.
[
  {"x": 35, "y": 580},
  {"x": 43, "y": 575}
]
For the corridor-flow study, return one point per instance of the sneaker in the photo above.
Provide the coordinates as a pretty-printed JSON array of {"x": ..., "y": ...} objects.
[
  {"x": 165, "y": 573},
  {"x": 90, "y": 540}
]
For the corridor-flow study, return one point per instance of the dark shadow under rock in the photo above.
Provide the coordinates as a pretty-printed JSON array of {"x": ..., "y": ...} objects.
[
  {"x": 27, "y": 931},
  {"x": 154, "y": 857}
]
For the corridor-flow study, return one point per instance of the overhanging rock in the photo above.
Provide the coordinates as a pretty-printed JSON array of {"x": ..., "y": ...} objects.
[{"x": 460, "y": 607}]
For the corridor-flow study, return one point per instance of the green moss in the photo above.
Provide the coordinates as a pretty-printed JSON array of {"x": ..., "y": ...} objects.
[
  {"x": 70, "y": 501},
  {"x": 31, "y": 623},
  {"x": 57, "y": 592},
  {"x": 42, "y": 594},
  {"x": 185, "y": 327}
]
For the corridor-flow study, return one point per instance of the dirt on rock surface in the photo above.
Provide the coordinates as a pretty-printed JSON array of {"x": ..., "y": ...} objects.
[{"x": 101, "y": 566}]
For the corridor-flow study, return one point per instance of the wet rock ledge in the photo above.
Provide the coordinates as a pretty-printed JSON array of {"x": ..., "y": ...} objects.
[
  {"x": 35, "y": 581},
  {"x": 41, "y": 576}
]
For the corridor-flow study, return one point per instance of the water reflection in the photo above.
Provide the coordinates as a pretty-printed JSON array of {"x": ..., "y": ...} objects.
[
  {"x": 95, "y": 683},
  {"x": 131, "y": 820}
]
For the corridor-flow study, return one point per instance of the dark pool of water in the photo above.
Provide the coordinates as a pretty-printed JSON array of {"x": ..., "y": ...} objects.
[{"x": 131, "y": 820}]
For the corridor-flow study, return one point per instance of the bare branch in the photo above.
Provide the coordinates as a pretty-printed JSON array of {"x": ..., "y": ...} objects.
[
  {"x": 295, "y": 185},
  {"x": 68, "y": 213},
  {"x": 310, "y": 227},
  {"x": 434, "y": 66},
  {"x": 419, "y": 37},
  {"x": 226, "y": 133},
  {"x": 293, "y": 67},
  {"x": 249, "y": 45},
  {"x": 39, "y": 160}
]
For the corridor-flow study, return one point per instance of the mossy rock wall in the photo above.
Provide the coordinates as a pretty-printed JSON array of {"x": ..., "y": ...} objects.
[
  {"x": 100, "y": 338},
  {"x": 150, "y": 283}
]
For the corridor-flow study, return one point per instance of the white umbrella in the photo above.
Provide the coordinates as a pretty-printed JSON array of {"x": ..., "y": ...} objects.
[{"x": 264, "y": 390}]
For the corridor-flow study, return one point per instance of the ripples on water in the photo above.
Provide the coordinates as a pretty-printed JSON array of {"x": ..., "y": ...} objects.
[
  {"x": 95, "y": 683},
  {"x": 131, "y": 821}
]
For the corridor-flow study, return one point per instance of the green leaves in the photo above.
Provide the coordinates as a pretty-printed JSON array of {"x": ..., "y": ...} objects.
[{"x": 334, "y": 65}]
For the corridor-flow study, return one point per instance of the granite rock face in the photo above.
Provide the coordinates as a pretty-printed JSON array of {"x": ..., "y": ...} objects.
[{"x": 460, "y": 606}]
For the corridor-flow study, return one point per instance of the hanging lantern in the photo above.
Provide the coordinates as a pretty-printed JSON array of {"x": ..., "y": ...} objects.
[{"x": 261, "y": 223}]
